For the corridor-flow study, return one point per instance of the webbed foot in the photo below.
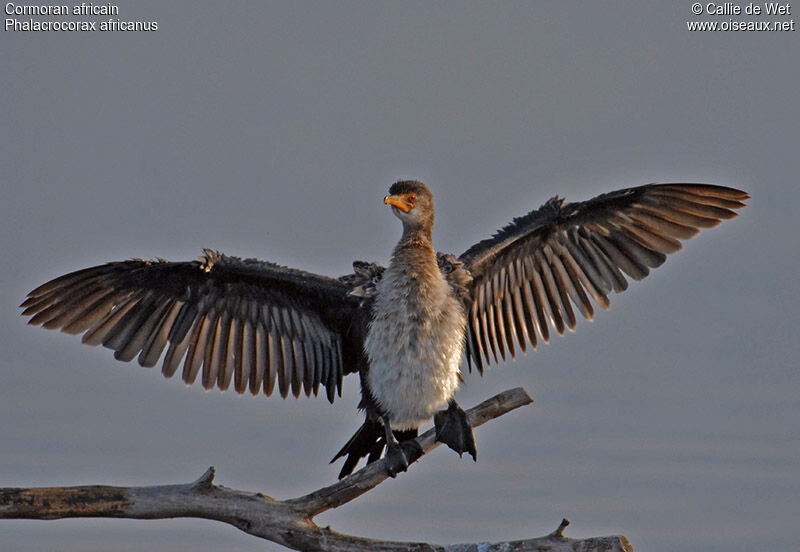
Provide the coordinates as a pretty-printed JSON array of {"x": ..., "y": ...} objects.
[
  {"x": 396, "y": 460},
  {"x": 453, "y": 429},
  {"x": 399, "y": 455}
]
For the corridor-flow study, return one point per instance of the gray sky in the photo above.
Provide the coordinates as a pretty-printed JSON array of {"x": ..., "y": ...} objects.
[{"x": 274, "y": 130}]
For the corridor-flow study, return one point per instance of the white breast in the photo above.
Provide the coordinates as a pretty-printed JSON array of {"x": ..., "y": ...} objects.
[{"x": 414, "y": 346}]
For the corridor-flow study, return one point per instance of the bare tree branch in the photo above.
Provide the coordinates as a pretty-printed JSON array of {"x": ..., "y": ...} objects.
[{"x": 287, "y": 522}]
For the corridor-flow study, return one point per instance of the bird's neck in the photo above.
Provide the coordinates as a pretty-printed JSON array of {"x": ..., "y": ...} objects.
[
  {"x": 413, "y": 261},
  {"x": 416, "y": 237}
]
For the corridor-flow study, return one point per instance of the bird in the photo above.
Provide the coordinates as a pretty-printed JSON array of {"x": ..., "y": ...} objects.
[{"x": 406, "y": 329}]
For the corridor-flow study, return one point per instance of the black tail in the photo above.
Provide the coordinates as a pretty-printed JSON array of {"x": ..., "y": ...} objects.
[{"x": 369, "y": 440}]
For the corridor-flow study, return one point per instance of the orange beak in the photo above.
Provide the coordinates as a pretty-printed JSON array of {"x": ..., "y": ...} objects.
[{"x": 398, "y": 201}]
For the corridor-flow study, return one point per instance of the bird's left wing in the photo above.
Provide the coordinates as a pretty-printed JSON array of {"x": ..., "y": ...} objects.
[
  {"x": 249, "y": 322},
  {"x": 528, "y": 276}
]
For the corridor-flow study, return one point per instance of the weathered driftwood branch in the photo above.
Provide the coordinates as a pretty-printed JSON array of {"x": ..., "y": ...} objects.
[{"x": 287, "y": 522}]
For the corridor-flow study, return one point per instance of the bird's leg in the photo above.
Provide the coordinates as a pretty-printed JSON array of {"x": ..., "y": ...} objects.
[
  {"x": 453, "y": 429},
  {"x": 398, "y": 455}
]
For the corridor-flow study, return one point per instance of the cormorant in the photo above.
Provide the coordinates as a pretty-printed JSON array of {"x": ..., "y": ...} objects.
[{"x": 403, "y": 328}]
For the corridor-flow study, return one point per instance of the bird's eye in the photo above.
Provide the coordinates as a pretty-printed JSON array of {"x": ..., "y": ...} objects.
[{"x": 412, "y": 198}]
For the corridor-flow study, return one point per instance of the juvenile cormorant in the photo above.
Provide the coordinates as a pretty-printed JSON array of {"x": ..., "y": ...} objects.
[{"x": 403, "y": 328}]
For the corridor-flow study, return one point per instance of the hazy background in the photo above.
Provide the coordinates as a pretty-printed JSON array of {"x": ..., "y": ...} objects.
[{"x": 274, "y": 130}]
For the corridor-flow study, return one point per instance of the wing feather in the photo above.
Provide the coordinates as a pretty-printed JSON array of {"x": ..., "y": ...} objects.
[
  {"x": 223, "y": 357},
  {"x": 174, "y": 354},
  {"x": 257, "y": 374},
  {"x": 244, "y": 357},
  {"x": 96, "y": 334},
  {"x": 197, "y": 347},
  {"x": 159, "y": 336}
]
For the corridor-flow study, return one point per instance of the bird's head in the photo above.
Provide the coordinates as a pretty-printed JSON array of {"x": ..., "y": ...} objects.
[{"x": 412, "y": 202}]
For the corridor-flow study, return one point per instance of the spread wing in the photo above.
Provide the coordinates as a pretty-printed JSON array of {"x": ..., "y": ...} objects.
[
  {"x": 248, "y": 322},
  {"x": 527, "y": 277}
]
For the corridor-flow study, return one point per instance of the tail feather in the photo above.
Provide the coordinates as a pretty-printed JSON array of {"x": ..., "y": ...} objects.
[{"x": 368, "y": 441}]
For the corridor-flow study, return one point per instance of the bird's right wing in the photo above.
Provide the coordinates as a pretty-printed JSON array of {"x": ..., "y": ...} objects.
[
  {"x": 247, "y": 321},
  {"x": 531, "y": 271}
]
